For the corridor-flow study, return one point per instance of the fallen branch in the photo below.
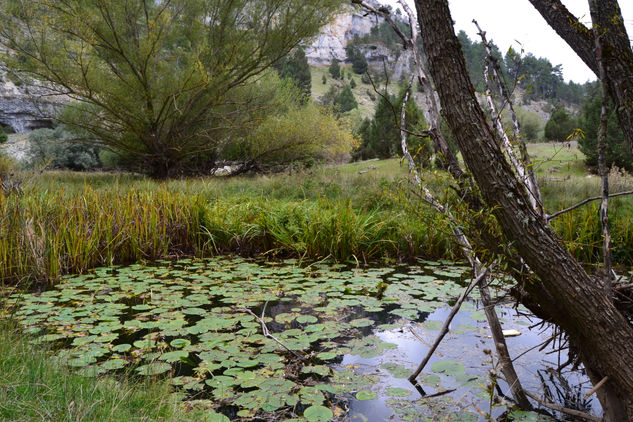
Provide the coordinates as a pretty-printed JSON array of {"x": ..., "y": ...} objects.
[
  {"x": 586, "y": 201},
  {"x": 570, "y": 412},
  {"x": 595, "y": 388},
  {"x": 265, "y": 330},
  {"x": 447, "y": 322}
]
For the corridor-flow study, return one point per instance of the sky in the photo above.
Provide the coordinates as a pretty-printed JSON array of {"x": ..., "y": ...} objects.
[{"x": 516, "y": 23}]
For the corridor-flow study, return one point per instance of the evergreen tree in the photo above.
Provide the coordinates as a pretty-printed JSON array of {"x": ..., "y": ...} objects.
[
  {"x": 324, "y": 80},
  {"x": 380, "y": 137},
  {"x": 345, "y": 100},
  {"x": 352, "y": 84},
  {"x": 335, "y": 69},
  {"x": 617, "y": 152},
  {"x": 560, "y": 125},
  {"x": 296, "y": 68},
  {"x": 359, "y": 63}
]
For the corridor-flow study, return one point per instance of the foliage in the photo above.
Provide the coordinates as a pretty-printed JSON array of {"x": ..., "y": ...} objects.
[
  {"x": 617, "y": 151},
  {"x": 475, "y": 54},
  {"x": 296, "y": 68},
  {"x": 345, "y": 100},
  {"x": 531, "y": 124},
  {"x": 381, "y": 135},
  {"x": 34, "y": 387},
  {"x": 359, "y": 63},
  {"x": 560, "y": 125},
  {"x": 157, "y": 78},
  {"x": 58, "y": 148},
  {"x": 335, "y": 69},
  {"x": 324, "y": 80},
  {"x": 352, "y": 83},
  {"x": 384, "y": 34},
  {"x": 303, "y": 135},
  {"x": 3, "y": 136},
  {"x": 7, "y": 166}
]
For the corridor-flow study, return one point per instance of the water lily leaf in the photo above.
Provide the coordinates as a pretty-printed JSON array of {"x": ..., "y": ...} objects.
[
  {"x": 363, "y": 322},
  {"x": 306, "y": 319},
  {"x": 121, "y": 348},
  {"x": 317, "y": 413},
  {"x": 175, "y": 356},
  {"x": 397, "y": 371},
  {"x": 398, "y": 392},
  {"x": 448, "y": 367},
  {"x": 326, "y": 355},
  {"x": 366, "y": 395},
  {"x": 431, "y": 380},
  {"x": 154, "y": 368},
  {"x": 113, "y": 364},
  {"x": 82, "y": 361},
  {"x": 180, "y": 343},
  {"x": 322, "y": 370},
  {"x": 433, "y": 325},
  {"x": 470, "y": 381}
]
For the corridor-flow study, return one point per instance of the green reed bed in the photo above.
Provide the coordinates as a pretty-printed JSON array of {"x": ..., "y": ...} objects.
[{"x": 45, "y": 234}]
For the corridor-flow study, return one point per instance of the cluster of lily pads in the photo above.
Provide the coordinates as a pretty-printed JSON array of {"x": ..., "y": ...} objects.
[{"x": 200, "y": 321}]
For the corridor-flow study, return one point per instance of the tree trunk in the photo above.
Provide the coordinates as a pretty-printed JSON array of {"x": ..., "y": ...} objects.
[
  {"x": 618, "y": 56},
  {"x": 564, "y": 290}
]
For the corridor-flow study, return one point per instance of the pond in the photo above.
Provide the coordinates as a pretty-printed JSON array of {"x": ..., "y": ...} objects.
[{"x": 342, "y": 342}]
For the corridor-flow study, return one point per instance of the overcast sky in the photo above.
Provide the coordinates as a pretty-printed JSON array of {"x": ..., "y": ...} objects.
[{"x": 510, "y": 22}]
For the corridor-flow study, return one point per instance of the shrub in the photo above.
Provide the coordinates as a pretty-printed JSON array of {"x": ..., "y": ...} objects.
[
  {"x": 55, "y": 148},
  {"x": 352, "y": 84},
  {"x": 559, "y": 126},
  {"x": 335, "y": 69},
  {"x": 303, "y": 136},
  {"x": 3, "y": 136}
]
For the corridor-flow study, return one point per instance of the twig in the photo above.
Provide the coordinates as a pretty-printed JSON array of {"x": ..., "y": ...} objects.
[
  {"x": 586, "y": 201},
  {"x": 265, "y": 330},
  {"x": 447, "y": 323},
  {"x": 562, "y": 409},
  {"x": 595, "y": 388}
]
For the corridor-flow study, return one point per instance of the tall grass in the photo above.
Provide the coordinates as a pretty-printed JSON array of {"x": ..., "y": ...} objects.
[
  {"x": 34, "y": 387},
  {"x": 44, "y": 234}
]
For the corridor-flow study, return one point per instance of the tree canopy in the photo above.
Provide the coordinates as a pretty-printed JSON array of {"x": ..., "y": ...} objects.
[{"x": 162, "y": 81}]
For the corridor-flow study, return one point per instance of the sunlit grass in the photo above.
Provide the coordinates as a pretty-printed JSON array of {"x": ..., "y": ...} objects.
[{"x": 34, "y": 387}]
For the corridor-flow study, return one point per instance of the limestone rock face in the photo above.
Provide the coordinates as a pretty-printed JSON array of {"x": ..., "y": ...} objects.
[
  {"x": 331, "y": 42},
  {"x": 24, "y": 106}
]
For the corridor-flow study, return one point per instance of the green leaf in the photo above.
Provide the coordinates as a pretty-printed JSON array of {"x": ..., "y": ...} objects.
[
  {"x": 398, "y": 392},
  {"x": 317, "y": 413},
  {"x": 154, "y": 368},
  {"x": 366, "y": 395},
  {"x": 448, "y": 367}
]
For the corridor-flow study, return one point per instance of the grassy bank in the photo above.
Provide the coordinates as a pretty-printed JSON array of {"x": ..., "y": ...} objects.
[
  {"x": 69, "y": 222},
  {"x": 33, "y": 387}
]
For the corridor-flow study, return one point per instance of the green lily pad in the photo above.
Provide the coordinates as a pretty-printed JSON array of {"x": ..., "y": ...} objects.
[
  {"x": 154, "y": 368},
  {"x": 398, "y": 392},
  {"x": 317, "y": 413},
  {"x": 448, "y": 367},
  {"x": 366, "y": 395}
]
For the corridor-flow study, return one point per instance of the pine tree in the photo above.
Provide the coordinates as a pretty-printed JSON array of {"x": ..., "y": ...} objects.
[
  {"x": 559, "y": 126},
  {"x": 359, "y": 63},
  {"x": 335, "y": 69},
  {"x": 345, "y": 100},
  {"x": 296, "y": 68}
]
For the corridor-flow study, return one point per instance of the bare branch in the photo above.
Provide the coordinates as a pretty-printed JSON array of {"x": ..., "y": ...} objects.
[{"x": 586, "y": 201}]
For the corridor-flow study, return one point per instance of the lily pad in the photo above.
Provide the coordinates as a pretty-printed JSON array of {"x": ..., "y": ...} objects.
[
  {"x": 366, "y": 395},
  {"x": 317, "y": 413},
  {"x": 448, "y": 367},
  {"x": 154, "y": 368},
  {"x": 398, "y": 392}
]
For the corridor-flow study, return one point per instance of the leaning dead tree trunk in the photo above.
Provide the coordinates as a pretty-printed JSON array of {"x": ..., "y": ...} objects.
[
  {"x": 523, "y": 165},
  {"x": 618, "y": 55},
  {"x": 564, "y": 290},
  {"x": 479, "y": 274}
]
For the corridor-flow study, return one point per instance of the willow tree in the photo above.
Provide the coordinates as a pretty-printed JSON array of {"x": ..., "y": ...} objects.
[
  {"x": 561, "y": 290},
  {"x": 163, "y": 81}
]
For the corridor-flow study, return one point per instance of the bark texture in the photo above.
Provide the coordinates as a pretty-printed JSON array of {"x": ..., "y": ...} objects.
[
  {"x": 618, "y": 56},
  {"x": 575, "y": 302}
]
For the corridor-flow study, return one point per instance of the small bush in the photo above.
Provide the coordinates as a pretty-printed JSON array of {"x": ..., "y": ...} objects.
[
  {"x": 3, "y": 136},
  {"x": 59, "y": 148},
  {"x": 301, "y": 136}
]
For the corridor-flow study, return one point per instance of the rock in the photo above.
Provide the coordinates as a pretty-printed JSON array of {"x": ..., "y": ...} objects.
[
  {"x": 24, "y": 105},
  {"x": 331, "y": 42}
]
